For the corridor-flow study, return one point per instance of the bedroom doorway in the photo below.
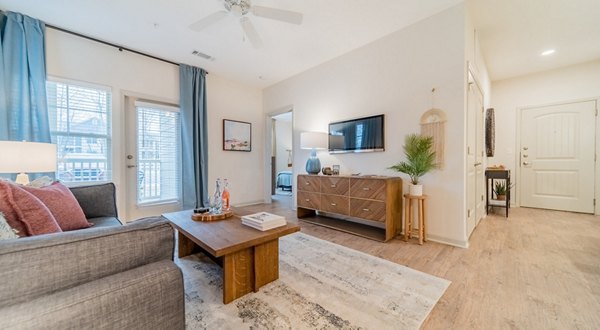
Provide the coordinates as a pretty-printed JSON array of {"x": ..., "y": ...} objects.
[{"x": 279, "y": 178}]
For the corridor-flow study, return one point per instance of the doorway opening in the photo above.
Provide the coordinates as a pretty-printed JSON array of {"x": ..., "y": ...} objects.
[{"x": 281, "y": 157}]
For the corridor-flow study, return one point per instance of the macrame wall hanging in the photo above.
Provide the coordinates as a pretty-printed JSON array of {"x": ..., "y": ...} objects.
[
  {"x": 490, "y": 134},
  {"x": 433, "y": 123}
]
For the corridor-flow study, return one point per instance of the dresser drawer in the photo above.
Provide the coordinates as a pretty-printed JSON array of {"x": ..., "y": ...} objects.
[
  {"x": 310, "y": 183},
  {"x": 335, "y": 204},
  {"x": 309, "y": 200},
  {"x": 335, "y": 185},
  {"x": 367, "y": 209},
  {"x": 368, "y": 188}
]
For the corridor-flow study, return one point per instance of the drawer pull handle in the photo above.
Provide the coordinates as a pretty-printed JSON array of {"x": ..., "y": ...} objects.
[
  {"x": 308, "y": 200},
  {"x": 366, "y": 210},
  {"x": 333, "y": 204},
  {"x": 332, "y": 186},
  {"x": 366, "y": 188},
  {"x": 307, "y": 183}
]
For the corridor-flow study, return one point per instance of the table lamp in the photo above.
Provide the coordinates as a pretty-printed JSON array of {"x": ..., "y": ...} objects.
[
  {"x": 20, "y": 157},
  {"x": 313, "y": 141}
]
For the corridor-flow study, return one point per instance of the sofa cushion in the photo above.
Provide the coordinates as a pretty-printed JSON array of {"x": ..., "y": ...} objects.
[
  {"x": 147, "y": 297},
  {"x": 62, "y": 204},
  {"x": 25, "y": 212},
  {"x": 96, "y": 200},
  {"x": 105, "y": 221}
]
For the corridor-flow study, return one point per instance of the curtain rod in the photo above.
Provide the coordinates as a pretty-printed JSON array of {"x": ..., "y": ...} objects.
[{"x": 120, "y": 48}]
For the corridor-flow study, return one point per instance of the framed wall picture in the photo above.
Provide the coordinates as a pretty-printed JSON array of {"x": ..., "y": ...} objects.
[{"x": 237, "y": 135}]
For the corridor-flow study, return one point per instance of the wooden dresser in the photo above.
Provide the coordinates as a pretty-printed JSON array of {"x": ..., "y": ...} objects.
[{"x": 369, "y": 206}]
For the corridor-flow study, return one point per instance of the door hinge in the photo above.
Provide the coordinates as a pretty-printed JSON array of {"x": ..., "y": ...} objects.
[
  {"x": 469, "y": 213},
  {"x": 594, "y": 202},
  {"x": 596, "y": 111}
]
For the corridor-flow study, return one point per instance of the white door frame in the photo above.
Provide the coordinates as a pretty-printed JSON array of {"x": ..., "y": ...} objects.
[
  {"x": 517, "y": 167},
  {"x": 268, "y": 147},
  {"x": 128, "y": 211}
]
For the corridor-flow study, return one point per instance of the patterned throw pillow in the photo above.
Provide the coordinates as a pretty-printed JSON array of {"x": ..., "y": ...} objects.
[
  {"x": 6, "y": 232},
  {"x": 25, "y": 212},
  {"x": 62, "y": 204}
]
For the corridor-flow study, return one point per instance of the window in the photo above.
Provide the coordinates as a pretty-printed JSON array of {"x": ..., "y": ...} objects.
[
  {"x": 80, "y": 126},
  {"x": 158, "y": 153}
]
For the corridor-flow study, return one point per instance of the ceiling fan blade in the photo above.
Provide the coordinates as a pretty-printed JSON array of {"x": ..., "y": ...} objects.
[
  {"x": 278, "y": 14},
  {"x": 251, "y": 33},
  {"x": 208, "y": 20}
]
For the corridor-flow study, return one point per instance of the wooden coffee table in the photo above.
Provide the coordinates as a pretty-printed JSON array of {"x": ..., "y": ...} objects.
[{"x": 249, "y": 257}]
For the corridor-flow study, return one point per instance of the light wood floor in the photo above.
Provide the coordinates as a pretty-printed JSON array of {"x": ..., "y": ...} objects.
[{"x": 537, "y": 270}]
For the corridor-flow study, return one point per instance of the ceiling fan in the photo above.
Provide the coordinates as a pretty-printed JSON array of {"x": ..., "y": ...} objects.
[{"x": 241, "y": 9}]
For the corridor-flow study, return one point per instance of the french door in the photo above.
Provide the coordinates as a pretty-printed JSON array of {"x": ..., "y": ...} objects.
[{"x": 153, "y": 158}]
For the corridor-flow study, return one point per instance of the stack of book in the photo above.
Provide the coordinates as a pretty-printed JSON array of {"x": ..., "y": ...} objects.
[{"x": 263, "y": 221}]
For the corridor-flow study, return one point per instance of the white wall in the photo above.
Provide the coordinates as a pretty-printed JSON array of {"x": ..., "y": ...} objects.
[
  {"x": 393, "y": 76},
  {"x": 566, "y": 84},
  {"x": 244, "y": 170},
  {"x": 283, "y": 142},
  {"x": 78, "y": 59}
]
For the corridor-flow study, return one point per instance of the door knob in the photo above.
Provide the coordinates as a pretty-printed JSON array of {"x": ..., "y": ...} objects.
[
  {"x": 525, "y": 148},
  {"x": 526, "y": 163},
  {"x": 525, "y": 156}
]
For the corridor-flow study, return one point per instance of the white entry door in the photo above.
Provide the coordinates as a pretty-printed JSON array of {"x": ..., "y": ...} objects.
[
  {"x": 557, "y": 157},
  {"x": 153, "y": 158}
]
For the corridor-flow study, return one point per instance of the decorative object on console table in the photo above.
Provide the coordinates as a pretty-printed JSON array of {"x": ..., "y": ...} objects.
[
  {"x": 313, "y": 141},
  {"x": 420, "y": 159},
  {"x": 33, "y": 157},
  {"x": 335, "y": 169},
  {"x": 368, "y": 206},
  {"x": 237, "y": 135},
  {"x": 504, "y": 185}
]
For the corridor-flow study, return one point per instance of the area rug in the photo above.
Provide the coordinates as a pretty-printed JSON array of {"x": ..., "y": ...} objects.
[{"x": 321, "y": 286}]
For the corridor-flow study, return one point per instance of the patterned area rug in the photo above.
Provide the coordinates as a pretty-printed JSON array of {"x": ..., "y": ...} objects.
[{"x": 321, "y": 285}]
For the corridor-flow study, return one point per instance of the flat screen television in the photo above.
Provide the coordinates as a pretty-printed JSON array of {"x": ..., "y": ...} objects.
[{"x": 357, "y": 135}]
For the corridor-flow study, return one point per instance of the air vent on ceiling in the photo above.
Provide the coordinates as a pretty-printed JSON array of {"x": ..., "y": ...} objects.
[{"x": 204, "y": 56}]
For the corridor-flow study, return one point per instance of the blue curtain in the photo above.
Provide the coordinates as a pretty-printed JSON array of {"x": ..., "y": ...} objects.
[
  {"x": 23, "y": 103},
  {"x": 194, "y": 135}
]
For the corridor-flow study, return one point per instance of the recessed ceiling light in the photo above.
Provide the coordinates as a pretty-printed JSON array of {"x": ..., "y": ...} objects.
[{"x": 548, "y": 52}]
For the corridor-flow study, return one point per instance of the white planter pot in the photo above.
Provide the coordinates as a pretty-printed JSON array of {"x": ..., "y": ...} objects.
[{"x": 415, "y": 189}]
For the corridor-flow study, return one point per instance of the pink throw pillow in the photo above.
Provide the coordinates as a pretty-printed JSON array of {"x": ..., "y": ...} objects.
[
  {"x": 25, "y": 212},
  {"x": 62, "y": 204}
]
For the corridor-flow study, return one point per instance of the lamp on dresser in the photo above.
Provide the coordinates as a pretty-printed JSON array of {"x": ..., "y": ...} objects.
[
  {"x": 313, "y": 141},
  {"x": 21, "y": 157}
]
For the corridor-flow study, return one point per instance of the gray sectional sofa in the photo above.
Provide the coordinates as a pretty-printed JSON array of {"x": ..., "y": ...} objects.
[{"x": 105, "y": 277}]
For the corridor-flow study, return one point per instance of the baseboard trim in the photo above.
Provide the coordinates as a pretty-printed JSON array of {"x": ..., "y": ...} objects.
[
  {"x": 262, "y": 201},
  {"x": 448, "y": 241}
]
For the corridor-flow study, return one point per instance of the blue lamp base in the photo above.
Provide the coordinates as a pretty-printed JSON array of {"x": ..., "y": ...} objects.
[{"x": 313, "y": 164}]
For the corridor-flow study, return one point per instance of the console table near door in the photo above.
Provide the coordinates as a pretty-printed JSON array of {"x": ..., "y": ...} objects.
[{"x": 490, "y": 201}]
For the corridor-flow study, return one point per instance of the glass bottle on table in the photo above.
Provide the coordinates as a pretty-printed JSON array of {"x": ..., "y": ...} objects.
[
  {"x": 216, "y": 205},
  {"x": 225, "y": 196}
]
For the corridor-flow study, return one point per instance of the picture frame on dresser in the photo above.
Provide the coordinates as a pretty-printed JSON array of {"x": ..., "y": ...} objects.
[{"x": 237, "y": 135}]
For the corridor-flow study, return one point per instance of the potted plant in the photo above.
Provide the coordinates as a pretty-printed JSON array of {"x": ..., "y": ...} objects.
[
  {"x": 500, "y": 190},
  {"x": 420, "y": 159}
]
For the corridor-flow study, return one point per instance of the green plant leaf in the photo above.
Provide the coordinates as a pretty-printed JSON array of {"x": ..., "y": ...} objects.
[{"x": 420, "y": 158}]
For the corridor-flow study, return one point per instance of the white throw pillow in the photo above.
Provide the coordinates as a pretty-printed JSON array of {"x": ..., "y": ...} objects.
[{"x": 6, "y": 231}]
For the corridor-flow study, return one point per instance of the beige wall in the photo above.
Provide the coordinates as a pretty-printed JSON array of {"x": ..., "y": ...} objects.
[
  {"x": 566, "y": 84},
  {"x": 73, "y": 58},
  {"x": 392, "y": 76}
]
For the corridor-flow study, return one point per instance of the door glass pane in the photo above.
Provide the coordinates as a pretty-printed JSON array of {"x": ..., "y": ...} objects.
[{"x": 158, "y": 155}]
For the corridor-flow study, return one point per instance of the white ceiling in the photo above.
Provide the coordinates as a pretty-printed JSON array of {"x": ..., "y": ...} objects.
[{"x": 512, "y": 32}]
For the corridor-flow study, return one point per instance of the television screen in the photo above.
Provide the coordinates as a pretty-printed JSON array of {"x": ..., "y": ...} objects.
[{"x": 357, "y": 135}]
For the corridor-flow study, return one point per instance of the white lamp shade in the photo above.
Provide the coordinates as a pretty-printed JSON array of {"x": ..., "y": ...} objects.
[
  {"x": 313, "y": 140},
  {"x": 31, "y": 157}
]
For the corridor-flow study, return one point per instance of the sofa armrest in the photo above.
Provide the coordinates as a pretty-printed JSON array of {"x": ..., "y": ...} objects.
[
  {"x": 40, "y": 265},
  {"x": 97, "y": 200}
]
